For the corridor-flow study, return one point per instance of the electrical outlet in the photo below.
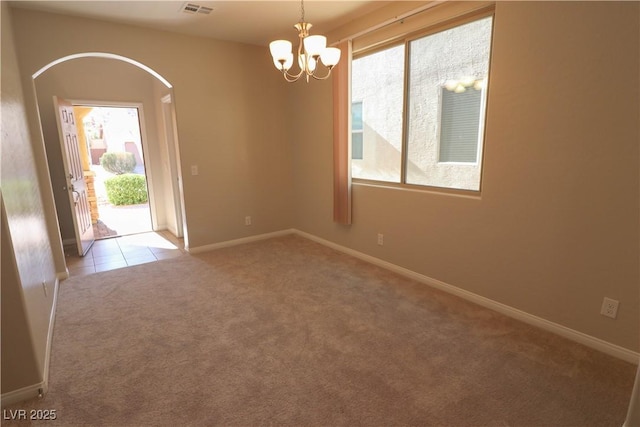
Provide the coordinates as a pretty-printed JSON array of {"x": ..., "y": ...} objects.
[
  {"x": 194, "y": 170},
  {"x": 609, "y": 308},
  {"x": 247, "y": 220},
  {"x": 380, "y": 239}
]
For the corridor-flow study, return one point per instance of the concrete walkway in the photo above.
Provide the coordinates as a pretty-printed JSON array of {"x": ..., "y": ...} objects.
[
  {"x": 122, "y": 220},
  {"x": 118, "y": 220}
]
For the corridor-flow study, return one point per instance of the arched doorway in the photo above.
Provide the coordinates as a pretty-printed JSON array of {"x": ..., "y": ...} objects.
[{"x": 108, "y": 79}]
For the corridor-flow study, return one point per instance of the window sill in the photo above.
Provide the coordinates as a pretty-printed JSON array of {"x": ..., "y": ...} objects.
[{"x": 465, "y": 194}]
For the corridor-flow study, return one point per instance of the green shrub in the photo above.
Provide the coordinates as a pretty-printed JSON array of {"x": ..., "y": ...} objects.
[
  {"x": 118, "y": 162},
  {"x": 126, "y": 189}
]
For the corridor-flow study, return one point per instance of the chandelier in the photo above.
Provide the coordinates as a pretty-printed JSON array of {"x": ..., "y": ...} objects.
[{"x": 312, "y": 50}]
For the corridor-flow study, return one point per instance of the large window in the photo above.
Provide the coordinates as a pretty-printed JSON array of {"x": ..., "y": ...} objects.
[{"x": 422, "y": 113}]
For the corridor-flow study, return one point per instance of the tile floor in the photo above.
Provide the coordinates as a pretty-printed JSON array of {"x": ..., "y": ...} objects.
[{"x": 123, "y": 251}]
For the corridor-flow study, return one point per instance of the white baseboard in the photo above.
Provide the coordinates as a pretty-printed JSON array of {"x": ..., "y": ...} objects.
[
  {"x": 47, "y": 354},
  {"x": 582, "y": 338},
  {"x": 38, "y": 389},
  {"x": 62, "y": 275},
  {"x": 172, "y": 230},
  {"x": 21, "y": 394},
  {"x": 228, "y": 243}
]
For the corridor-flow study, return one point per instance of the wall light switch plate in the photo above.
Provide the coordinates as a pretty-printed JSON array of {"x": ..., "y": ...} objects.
[{"x": 194, "y": 170}]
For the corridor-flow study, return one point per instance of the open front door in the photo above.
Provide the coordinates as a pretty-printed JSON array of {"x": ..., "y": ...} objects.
[{"x": 76, "y": 185}]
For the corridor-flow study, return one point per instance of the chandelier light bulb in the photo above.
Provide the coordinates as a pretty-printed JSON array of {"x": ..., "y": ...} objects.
[
  {"x": 280, "y": 49},
  {"x": 315, "y": 45},
  {"x": 330, "y": 56},
  {"x": 288, "y": 62},
  {"x": 310, "y": 65}
]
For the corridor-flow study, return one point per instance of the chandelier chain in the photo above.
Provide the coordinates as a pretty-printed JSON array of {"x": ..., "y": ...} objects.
[{"x": 302, "y": 10}]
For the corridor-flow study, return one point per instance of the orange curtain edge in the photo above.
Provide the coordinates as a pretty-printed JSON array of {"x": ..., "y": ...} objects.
[{"x": 341, "y": 137}]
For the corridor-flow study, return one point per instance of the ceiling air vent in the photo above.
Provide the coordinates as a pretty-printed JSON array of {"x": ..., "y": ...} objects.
[{"x": 194, "y": 8}]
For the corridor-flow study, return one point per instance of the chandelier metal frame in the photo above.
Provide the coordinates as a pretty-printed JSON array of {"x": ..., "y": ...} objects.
[{"x": 312, "y": 51}]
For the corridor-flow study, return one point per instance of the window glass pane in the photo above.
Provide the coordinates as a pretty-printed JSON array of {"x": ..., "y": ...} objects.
[
  {"x": 447, "y": 75},
  {"x": 356, "y": 116},
  {"x": 356, "y": 146},
  {"x": 377, "y": 82},
  {"x": 356, "y": 130}
]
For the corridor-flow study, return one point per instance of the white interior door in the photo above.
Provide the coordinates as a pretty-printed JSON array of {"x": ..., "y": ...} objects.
[{"x": 76, "y": 185}]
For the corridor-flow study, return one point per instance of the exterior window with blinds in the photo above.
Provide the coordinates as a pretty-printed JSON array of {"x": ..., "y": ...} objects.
[
  {"x": 459, "y": 125},
  {"x": 426, "y": 101}
]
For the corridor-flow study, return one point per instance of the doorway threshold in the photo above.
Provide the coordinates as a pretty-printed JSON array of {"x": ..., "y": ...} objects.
[
  {"x": 122, "y": 221},
  {"x": 125, "y": 251}
]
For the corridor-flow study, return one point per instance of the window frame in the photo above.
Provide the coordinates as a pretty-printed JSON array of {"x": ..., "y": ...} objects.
[{"x": 406, "y": 39}]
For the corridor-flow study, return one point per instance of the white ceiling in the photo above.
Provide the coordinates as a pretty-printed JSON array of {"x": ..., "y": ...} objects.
[{"x": 253, "y": 22}]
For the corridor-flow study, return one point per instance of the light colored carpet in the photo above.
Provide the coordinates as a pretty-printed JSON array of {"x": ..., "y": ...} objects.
[{"x": 288, "y": 332}]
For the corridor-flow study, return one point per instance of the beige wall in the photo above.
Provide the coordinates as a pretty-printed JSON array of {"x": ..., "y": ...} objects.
[
  {"x": 29, "y": 261},
  {"x": 101, "y": 80},
  {"x": 19, "y": 366},
  {"x": 556, "y": 226},
  {"x": 229, "y": 116}
]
